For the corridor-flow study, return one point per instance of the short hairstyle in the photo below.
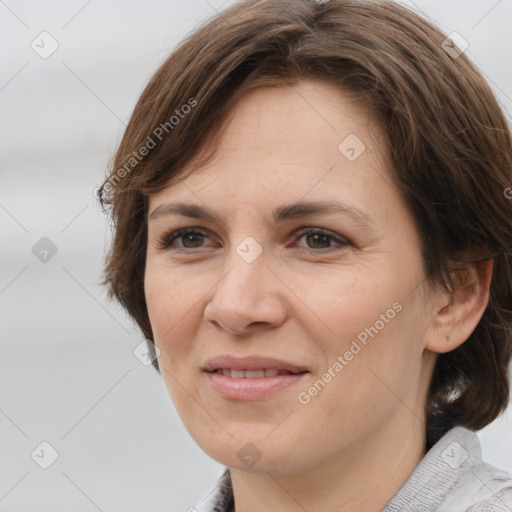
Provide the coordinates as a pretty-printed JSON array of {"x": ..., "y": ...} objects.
[{"x": 447, "y": 141}]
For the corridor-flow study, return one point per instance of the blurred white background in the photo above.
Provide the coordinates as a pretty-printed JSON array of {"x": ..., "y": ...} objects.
[{"x": 68, "y": 375}]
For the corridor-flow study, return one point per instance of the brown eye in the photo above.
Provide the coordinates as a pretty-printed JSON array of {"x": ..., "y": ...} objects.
[
  {"x": 320, "y": 239},
  {"x": 190, "y": 239},
  {"x": 317, "y": 239},
  {"x": 194, "y": 239}
]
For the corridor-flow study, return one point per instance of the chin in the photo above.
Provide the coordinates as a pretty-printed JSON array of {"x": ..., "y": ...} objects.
[{"x": 255, "y": 454}]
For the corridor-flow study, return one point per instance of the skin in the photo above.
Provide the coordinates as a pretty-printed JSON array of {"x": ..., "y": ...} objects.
[{"x": 354, "y": 444}]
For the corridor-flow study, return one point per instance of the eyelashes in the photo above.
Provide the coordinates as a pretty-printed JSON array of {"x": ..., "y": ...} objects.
[
  {"x": 196, "y": 237},
  {"x": 166, "y": 242}
]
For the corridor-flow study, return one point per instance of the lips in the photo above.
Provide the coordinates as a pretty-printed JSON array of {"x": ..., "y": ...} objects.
[
  {"x": 251, "y": 374},
  {"x": 251, "y": 378},
  {"x": 233, "y": 366}
]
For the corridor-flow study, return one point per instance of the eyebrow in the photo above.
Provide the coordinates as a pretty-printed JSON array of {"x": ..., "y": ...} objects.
[{"x": 279, "y": 214}]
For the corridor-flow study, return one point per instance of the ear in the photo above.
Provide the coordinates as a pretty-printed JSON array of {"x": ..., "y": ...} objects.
[{"x": 457, "y": 314}]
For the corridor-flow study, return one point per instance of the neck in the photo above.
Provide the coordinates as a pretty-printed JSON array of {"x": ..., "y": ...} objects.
[{"x": 363, "y": 478}]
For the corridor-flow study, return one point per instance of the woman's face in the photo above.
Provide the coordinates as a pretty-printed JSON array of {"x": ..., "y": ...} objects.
[{"x": 334, "y": 291}]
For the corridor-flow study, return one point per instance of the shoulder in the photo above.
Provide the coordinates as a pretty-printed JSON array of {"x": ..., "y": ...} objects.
[
  {"x": 218, "y": 499},
  {"x": 453, "y": 478},
  {"x": 480, "y": 488}
]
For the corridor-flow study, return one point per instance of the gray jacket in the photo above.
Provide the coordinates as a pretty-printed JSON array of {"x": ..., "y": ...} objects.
[{"x": 450, "y": 478}]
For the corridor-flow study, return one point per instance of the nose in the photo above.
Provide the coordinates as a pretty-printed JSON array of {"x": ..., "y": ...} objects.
[{"x": 249, "y": 296}]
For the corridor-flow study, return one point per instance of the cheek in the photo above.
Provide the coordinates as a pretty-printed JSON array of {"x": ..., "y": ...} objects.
[
  {"x": 157, "y": 301},
  {"x": 370, "y": 331},
  {"x": 168, "y": 306},
  {"x": 175, "y": 311},
  {"x": 169, "y": 297},
  {"x": 348, "y": 305},
  {"x": 364, "y": 382}
]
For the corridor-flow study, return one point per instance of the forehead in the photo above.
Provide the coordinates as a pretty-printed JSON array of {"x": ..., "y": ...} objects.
[
  {"x": 307, "y": 118},
  {"x": 308, "y": 138}
]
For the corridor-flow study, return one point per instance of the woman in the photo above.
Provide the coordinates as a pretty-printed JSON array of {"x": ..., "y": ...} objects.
[{"x": 311, "y": 231}]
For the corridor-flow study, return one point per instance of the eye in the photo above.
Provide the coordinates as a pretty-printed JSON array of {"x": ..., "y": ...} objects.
[
  {"x": 317, "y": 240},
  {"x": 190, "y": 238},
  {"x": 320, "y": 240}
]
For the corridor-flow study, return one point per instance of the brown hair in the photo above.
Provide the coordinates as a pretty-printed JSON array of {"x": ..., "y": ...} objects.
[{"x": 448, "y": 142}]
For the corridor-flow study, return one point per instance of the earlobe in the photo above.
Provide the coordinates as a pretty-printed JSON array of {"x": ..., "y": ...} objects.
[{"x": 457, "y": 314}]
